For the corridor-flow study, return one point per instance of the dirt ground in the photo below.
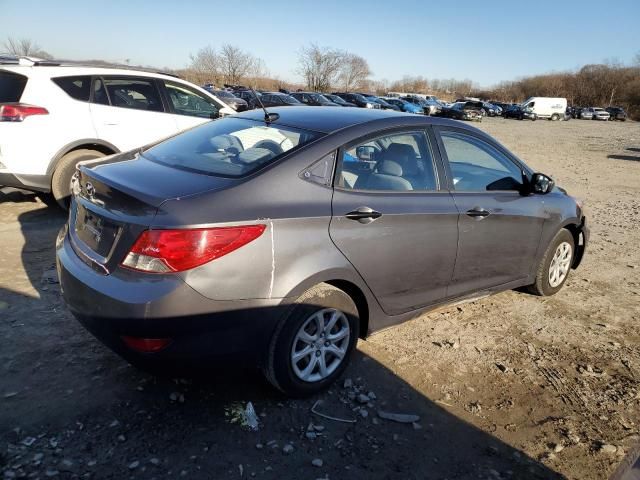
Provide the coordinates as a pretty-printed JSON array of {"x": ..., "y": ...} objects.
[{"x": 511, "y": 386}]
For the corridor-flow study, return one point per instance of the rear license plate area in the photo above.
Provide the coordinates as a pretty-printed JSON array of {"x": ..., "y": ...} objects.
[{"x": 95, "y": 231}]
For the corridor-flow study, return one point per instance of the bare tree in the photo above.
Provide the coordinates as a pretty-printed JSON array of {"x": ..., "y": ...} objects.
[
  {"x": 235, "y": 64},
  {"x": 25, "y": 47},
  {"x": 354, "y": 72},
  {"x": 319, "y": 66},
  {"x": 205, "y": 65}
]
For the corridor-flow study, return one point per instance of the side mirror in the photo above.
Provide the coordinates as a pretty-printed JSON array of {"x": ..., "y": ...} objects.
[
  {"x": 215, "y": 114},
  {"x": 541, "y": 183}
]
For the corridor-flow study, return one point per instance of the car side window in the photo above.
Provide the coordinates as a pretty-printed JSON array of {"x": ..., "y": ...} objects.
[
  {"x": 77, "y": 87},
  {"x": 187, "y": 102},
  {"x": 477, "y": 166},
  {"x": 134, "y": 93},
  {"x": 393, "y": 162}
]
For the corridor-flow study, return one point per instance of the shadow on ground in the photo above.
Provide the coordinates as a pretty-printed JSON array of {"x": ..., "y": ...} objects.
[
  {"x": 632, "y": 158},
  {"x": 70, "y": 408}
]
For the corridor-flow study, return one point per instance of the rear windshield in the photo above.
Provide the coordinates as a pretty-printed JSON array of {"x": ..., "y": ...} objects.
[
  {"x": 11, "y": 86},
  {"x": 230, "y": 147}
]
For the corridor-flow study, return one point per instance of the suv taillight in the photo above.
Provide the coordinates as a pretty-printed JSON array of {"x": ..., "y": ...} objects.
[
  {"x": 167, "y": 251},
  {"x": 17, "y": 112}
]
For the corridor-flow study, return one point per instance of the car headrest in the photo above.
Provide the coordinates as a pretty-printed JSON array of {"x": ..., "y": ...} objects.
[
  {"x": 252, "y": 155},
  {"x": 389, "y": 167},
  {"x": 401, "y": 149}
]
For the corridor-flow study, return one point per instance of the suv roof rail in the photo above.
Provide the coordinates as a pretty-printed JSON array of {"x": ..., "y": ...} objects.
[{"x": 8, "y": 59}]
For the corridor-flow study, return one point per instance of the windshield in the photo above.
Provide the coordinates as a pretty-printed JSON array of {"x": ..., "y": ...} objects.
[
  {"x": 224, "y": 94},
  {"x": 231, "y": 147},
  {"x": 319, "y": 98},
  {"x": 287, "y": 98}
]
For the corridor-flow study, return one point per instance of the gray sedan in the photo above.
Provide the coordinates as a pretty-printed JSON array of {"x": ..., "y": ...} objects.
[{"x": 281, "y": 239}]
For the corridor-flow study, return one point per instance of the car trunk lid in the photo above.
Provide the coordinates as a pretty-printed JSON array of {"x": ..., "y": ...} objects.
[{"x": 115, "y": 200}]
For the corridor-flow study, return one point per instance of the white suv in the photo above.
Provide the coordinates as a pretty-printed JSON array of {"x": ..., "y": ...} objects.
[{"x": 53, "y": 116}]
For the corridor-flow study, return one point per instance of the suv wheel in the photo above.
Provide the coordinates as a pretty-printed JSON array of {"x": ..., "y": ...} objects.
[
  {"x": 61, "y": 181},
  {"x": 555, "y": 265},
  {"x": 312, "y": 346}
]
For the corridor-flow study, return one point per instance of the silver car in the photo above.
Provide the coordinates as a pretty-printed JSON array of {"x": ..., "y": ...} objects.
[{"x": 280, "y": 238}]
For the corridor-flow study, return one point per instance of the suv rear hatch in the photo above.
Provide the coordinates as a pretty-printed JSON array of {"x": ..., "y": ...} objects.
[{"x": 115, "y": 200}]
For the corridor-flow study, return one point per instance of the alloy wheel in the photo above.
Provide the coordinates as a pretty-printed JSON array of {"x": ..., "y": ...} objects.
[
  {"x": 320, "y": 345},
  {"x": 560, "y": 264}
]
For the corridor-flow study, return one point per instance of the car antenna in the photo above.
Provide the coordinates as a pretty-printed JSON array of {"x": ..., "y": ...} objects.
[{"x": 268, "y": 117}]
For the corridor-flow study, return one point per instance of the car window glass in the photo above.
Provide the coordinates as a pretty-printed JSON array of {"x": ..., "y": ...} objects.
[
  {"x": 190, "y": 103},
  {"x": 76, "y": 87},
  {"x": 134, "y": 93},
  {"x": 230, "y": 147},
  {"x": 100, "y": 95},
  {"x": 477, "y": 166},
  {"x": 393, "y": 162}
]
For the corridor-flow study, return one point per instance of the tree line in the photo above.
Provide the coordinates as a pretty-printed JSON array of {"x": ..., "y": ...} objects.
[{"x": 327, "y": 69}]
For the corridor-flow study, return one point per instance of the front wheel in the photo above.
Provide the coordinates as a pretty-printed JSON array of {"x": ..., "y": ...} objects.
[
  {"x": 554, "y": 267},
  {"x": 555, "y": 117},
  {"x": 312, "y": 346}
]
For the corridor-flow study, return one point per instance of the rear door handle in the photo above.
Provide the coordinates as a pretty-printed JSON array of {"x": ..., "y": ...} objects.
[
  {"x": 363, "y": 215},
  {"x": 477, "y": 212}
]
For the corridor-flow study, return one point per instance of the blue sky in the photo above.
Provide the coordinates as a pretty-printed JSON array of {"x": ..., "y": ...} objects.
[{"x": 486, "y": 41}]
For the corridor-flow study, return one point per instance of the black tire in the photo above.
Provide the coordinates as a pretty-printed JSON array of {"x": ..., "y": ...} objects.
[
  {"x": 279, "y": 369},
  {"x": 555, "y": 117},
  {"x": 61, "y": 180},
  {"x": 534, "y": 118},
  {"x": 541, "y": 286}
]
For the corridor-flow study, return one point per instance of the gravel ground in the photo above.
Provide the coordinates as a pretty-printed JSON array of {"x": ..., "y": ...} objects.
[{"x": 511, "y": 386}]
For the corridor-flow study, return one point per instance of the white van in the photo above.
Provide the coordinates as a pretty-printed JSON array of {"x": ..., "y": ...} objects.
[{"x": 546, "y": 107}]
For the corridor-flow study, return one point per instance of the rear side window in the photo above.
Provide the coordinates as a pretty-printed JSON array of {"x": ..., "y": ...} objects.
[
  {"x": 78, "y": 88},
  {"x": 11, "y": 86},
  {"x": 394, "y": 162},
  {"x": 230, "y": 147},
  {"x": 134, "y": 93}
]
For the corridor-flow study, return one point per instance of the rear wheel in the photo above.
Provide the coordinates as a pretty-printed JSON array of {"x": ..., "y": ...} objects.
[
  {"x": 313, "y": 345},
  {"x": 555, "y": 117},
  {"x": 555, "y": 265},
  {"x": 61, "y": 181}
]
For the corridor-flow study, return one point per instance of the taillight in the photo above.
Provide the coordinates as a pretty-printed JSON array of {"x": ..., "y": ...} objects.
[
  {"x": 165, "y": 251},
  {"x": 146, "y": 345},
  {"x": 17, "y": 112}
]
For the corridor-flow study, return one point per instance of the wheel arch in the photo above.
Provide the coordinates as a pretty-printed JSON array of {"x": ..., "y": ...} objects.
[
  {"x": 575, "y": 230},
  {"x": 86, "y": 143},
  {"x": 359, "y": 299},
  {"x": 348, "y": 282}
]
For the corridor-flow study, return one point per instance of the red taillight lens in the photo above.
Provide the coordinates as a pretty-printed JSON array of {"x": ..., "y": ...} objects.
[
  {"x": 163, "y": 251},
  {"x": 146, "y": 345},
  {"x": 17, "y": 112}
]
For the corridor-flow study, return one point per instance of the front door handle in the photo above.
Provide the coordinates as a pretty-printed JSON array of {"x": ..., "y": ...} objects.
[
  {"x": 363, "y": 215},
  {"x": 477, "y": 212}
]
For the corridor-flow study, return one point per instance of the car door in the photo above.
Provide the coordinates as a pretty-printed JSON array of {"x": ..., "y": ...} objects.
[
  {"x": 499, "y": 227},
  {"x": 188, "y": 107},
  {"x": 392, "y": 220},
  {"x": 128, "y": 111}
]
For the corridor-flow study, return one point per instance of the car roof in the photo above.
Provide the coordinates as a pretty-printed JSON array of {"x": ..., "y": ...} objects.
[
  {"x": 331, "y": 119},
  {"x": 71, "y": 69}
]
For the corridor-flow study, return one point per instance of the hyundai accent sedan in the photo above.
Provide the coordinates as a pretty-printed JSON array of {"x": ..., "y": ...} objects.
[{"x": 281, "y": 239}]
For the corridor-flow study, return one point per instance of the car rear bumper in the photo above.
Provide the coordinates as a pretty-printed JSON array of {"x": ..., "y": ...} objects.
[{"x": 164, "y": 307}]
